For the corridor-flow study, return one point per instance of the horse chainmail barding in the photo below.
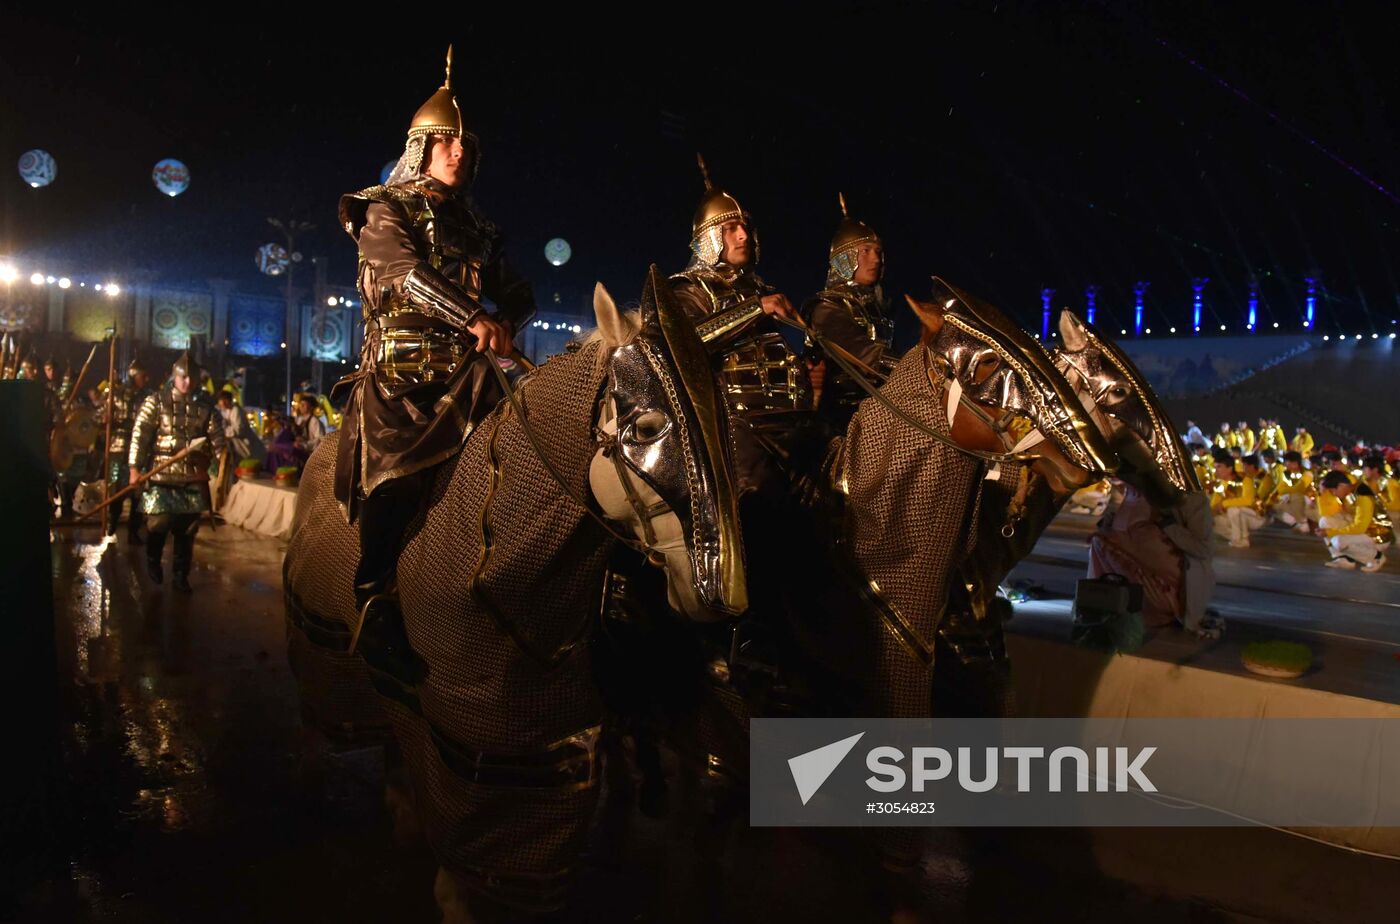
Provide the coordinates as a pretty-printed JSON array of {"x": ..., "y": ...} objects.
[
  {"x": 910, "y": 504},
  {"x": 501, "y": 747},
  {"x": 336, "y": 696}
]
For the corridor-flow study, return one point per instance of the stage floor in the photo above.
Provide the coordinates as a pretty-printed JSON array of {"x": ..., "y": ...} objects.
[{"x": 189, "y": 801}]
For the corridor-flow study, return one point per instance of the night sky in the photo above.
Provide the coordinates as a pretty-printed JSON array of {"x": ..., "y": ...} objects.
[{"x": 1004, "y": 146}]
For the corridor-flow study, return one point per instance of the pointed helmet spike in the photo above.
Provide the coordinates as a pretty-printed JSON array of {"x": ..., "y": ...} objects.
[
  {"x": 447, "y": 81},
  {"x": 841, "y": 197},
  {"x": 704, "y": 171}
]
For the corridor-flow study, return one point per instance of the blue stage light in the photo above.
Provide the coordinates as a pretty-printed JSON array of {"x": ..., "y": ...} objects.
[
  {"x": 1311, "y": 301},
  {"x": 1045, "y": 296},
  {"x": 1139, "y": 293},
  {"x": 1091, "y": 295}
]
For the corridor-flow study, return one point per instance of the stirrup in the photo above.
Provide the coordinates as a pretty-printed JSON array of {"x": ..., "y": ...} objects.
[{"x": 360, "y": 623}]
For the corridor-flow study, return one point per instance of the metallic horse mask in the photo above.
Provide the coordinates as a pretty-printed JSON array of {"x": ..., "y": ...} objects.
[
  {"x": 995, "y": 364},
  {"x": 673, "y": 433},
  {"x": 1123, "y": 404}
]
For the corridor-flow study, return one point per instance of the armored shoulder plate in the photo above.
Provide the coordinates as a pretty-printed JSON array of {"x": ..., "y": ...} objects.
[{"x": 354, "y": 206}]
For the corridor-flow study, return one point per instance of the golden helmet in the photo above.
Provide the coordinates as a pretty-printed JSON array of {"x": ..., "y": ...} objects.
[
  {"x": 440, "y": 114},
  {"x": 716, "y": 208},
  {"x": 845, "y": 245}
]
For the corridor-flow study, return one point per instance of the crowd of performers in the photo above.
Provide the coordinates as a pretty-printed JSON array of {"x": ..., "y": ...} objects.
[
  {"x": 1345, "y": 499},
  {"x": 167, "y": 442}
]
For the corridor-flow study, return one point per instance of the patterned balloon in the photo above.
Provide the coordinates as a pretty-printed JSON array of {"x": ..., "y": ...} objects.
[
  {"x": 272, "y": 259},
  {"x": 558, "y": 251},
  {"x": 37, "y": 168},
  {"x": 388, "y": 169},
  {"x": 171, "y": 177}
]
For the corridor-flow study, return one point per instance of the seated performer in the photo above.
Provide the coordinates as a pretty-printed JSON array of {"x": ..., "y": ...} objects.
[
  {"x": 1373, "y": 474},
  {"x": 1232, "y": 503},
  {"x": 427, "y": 259},
  {"x": 851, "y": 313},
  {"x": 1169, "y": 552},
  {"x": 1302, "y": 442},
  {"x": 176, "y": 498},
  {"x": 307, "y": 424},
  {"x": 1244, "y": 437},
  {"x": 1292, "y": 487},
  {"x": 1348, "y": 533}
]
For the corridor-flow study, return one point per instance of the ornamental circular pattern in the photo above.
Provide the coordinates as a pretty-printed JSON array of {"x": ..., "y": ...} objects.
[
  {"x": 171, "y": 177},
  {"x": 165, "y": 319},
  {"x": 272, "y": 259},
  {"x": 558, "y": 251},
  {"x": 37, "y": 168}
]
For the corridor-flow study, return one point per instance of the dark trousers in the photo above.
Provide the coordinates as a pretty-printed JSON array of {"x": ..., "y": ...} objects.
[
  {"x": 384, "y": 519},
  {"x": 133, "y": 517},
  {"x": 184, "y": 526}
]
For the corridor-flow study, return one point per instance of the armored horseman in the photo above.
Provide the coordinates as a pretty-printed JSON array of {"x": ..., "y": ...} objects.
[
  {"x": 163, "y": 436},
  {"x": 427, "y": 258},
  {"x": 851, "y": 313},
  {"x": 126, "y": 401},
  {"x": 765, "y": 382}
]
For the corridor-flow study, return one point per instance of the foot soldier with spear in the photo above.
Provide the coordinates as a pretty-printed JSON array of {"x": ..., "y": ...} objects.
[{"x": 167, "y": 426}]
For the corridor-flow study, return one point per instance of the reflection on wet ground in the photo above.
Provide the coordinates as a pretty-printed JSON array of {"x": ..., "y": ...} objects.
[{"x": 187, "y": 798}]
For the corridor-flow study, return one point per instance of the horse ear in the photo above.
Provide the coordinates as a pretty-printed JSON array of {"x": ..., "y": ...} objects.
[
  {"x": 1072, "y": 332},
  {"x": 611, "y": 323},
  {"x": 930, "y": 314}
]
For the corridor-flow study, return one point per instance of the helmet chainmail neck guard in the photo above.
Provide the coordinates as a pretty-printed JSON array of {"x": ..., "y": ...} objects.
[
  {"x": 707, "y": 227},
  {"x": 440, "y": 115},
  {"x": 846, "y": 244}
]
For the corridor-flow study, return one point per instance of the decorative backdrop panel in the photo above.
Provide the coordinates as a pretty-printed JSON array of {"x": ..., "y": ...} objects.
[
  {"x": 255, "y": 325},
  {"x": 88, "y": 315},
  {"x": 21, "y": 311},
  {"x": 326, "y": 332},
  {"x": 176, "y": 316}
]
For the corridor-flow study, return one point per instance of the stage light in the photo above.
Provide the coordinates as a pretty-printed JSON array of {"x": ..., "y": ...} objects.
[
  {"x": 1222, "y": 326},
  {"x": 1198, "y": 329},
  {"x": 330, "y": 302},
  {"x": 1358, "y": 336},
  {"x": 1091, "y": 295},
  {"x": 8, "y": 273},
  {"x": 1326, "y": 337},
  {"x": 98, "y": 287},
  {"x": 1392, "y": 335},
  {"x": 113, "y": 289},
  {"x": 1375, "y": 336},
  {"x": 1148, "y": 331},
  {"x": 283, "y": 344},
  {"x": 1173, "y": 330},
  {"x": 65, "y": 282},
  {"x": 82, "y": 285},
  {"x": 1311, "y": 300},
  {"x": 1139, "y": 293},
  {"x": 1123, "y": 332},
  {"x": 1045, "y": 296},
  {"x": 37, "y": 279},
  {"x": 1275, "y": 324},
  {"x": 50, "y": 280}
]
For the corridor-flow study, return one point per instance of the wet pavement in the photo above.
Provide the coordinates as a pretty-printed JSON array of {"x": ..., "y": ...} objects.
[{"x": 187, "y": 794}]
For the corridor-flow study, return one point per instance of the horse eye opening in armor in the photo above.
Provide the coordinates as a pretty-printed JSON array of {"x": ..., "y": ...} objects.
[{"x": 650, "y": 425}]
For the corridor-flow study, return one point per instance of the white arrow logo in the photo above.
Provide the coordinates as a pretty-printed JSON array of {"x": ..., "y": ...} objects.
[{"x": 810, "y": 770}]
